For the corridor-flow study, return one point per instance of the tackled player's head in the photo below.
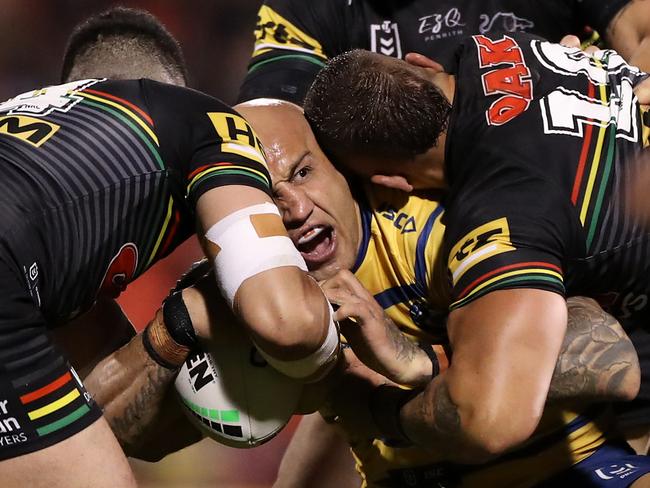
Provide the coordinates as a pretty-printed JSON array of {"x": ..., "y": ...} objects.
[
  {"x": 123, "y": 43},
  {"x": 317, "y": 207},
  {"x": 369, "y": 110}
]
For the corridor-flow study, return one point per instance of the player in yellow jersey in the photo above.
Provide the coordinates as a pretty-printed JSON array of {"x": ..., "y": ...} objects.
[{"x": 391, "y": 241}]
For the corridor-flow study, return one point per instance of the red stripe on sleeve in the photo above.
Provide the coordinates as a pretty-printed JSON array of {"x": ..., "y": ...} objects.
[
  {"x": 41, "y": 392},
  {"x": 497, "y": 271},
  {"x": 204, "y": 167},
  {"x": 122, "y": 101}
]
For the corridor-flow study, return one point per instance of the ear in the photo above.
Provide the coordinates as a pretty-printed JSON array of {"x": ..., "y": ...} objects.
[
  {"x": 421, "y": 61},
  {"x": 395, "y": 181}
]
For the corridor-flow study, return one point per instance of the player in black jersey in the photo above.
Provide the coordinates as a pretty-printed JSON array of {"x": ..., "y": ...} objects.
[
  {"x": 294, "y": 39},
  {"x": 100, "y": 180},
  {"x": 540, "y": 143},
  {"x": 387, "y": 256}
]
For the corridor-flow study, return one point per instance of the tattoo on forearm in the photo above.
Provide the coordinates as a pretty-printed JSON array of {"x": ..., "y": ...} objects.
[
  {"x": 135, "y": 419},
  {"x": 405, "y": 349},
  {"x": 445, "y": 412},
  {"x": 596, "y": 357}
]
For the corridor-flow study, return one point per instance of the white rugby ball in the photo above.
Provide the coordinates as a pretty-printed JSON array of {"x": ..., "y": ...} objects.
[{"x": 232, "y": 395}]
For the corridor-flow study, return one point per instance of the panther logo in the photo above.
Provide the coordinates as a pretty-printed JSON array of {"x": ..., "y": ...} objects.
[{"x": 121, "y": 271}]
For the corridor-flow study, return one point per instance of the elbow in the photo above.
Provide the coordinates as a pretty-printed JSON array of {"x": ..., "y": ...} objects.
[
  {"x": 289, "y": 327},
  {"x": 493, "y": 428},
  {"x": 488, "y": 440}
]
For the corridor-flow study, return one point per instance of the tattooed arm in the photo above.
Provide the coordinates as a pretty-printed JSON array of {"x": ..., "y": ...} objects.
[
  {"x": 136, "y": 392},
  {"x": 597, "y": 361}
]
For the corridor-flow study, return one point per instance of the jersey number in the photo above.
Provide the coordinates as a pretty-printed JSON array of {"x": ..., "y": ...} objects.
[{"x": 567, "y": 112}]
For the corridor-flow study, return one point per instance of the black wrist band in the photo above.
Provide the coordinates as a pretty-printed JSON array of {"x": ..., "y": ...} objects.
[
  {"x": 385, "y": 404},
  {"x": 197, "y": 271},
  {"x": 435, "y": 364},
  {"x": 146, "y": 342},
  {"x": 177, "y": 320}
]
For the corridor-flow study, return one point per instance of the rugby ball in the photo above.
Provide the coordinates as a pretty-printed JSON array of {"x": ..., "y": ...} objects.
[{"x": 232, "y": 395}]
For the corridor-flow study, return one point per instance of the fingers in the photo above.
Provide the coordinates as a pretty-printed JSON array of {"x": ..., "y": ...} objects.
[
  {"x": 416, "y": 59},
  {"x": 574, "y": 41},
  {"x": 345, "y": 280},
  {"x": 570, "y": 41}
]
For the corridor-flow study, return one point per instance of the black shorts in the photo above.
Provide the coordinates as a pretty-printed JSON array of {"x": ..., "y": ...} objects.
[{"x": 42, "y": 400}]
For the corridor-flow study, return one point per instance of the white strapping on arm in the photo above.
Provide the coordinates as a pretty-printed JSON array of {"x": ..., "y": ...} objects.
[
  {"x": 243, "y": 253},
  {"x": 321, "y": 361}
]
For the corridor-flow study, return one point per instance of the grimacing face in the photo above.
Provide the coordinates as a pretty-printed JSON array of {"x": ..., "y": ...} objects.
[{"x": 317, "y": 207}]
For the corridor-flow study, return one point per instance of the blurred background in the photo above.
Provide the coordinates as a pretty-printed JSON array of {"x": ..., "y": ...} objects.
[{"x": 217, "y": 39}]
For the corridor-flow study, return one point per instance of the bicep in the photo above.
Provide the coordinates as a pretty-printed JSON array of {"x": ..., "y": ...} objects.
[{"x": 506, "y": 345}]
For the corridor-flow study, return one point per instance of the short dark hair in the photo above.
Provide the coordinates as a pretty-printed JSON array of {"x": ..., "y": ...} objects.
[
  {"x": 365, "y": 102},
  {"x": 122, "y": 22}
]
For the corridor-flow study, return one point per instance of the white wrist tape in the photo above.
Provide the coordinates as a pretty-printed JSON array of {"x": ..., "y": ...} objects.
[
  {"x": 305, "y": 368},
  {"x": 246, "y": 247}
]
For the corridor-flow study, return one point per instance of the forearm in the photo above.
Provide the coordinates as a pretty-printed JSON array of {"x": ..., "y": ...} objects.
[
  {"x": 597, "y": 361},
  {"x": 492, "y": 396},
  {"x": 263, "y": 278},
  {"x": 130, "y": 386},
  {"x": 433, "y": 420}
]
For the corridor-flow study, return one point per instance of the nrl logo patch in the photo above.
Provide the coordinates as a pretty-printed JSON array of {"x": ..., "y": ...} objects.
[{"x": 384, "y": 39}]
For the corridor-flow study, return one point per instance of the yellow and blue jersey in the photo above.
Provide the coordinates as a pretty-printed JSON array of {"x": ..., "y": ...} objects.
[{"x": 400, "y": 263}]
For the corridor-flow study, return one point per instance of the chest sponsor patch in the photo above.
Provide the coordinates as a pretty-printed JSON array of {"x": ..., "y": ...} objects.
[{"x": 478, "y": 245}]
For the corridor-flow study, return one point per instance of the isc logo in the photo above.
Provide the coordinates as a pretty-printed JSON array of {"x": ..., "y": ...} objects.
[{"x": 402, "y": 221}]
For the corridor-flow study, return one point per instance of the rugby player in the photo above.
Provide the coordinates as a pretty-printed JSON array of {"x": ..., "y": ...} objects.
[
  {"x": 391, "y": 242},
  {"x": 102, "y": 179},
  {"x": 293, "y": 39},
  {"x": 536, "y": 210}
]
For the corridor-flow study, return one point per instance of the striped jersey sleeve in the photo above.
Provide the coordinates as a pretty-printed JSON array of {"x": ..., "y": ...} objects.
[
  {"x": 207, "y": 142},
  {"x": 496, "y": 240}
]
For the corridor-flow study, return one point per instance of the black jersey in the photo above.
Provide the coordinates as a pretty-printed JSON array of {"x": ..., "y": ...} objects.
[
  {"x": 294, "y": 38},
  {"x": 100, "y": 178},
  {"x": 538, "y": 198}
]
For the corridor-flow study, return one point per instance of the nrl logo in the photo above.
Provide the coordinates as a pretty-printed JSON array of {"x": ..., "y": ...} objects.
[{"x": 384, "y": 39}]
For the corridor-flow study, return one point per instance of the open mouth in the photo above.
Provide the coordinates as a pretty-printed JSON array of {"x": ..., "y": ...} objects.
[{"x": 317, "y": 245}]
